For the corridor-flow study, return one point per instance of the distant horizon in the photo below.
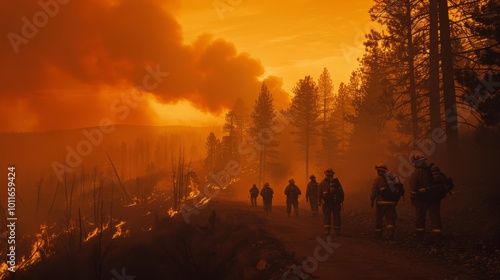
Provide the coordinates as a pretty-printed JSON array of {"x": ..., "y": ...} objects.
[{"x": 116, "y": 125}]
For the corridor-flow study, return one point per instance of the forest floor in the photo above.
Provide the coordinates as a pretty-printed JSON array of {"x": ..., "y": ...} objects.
[
  {"x": 228, "y": 238},
  {"x": 356, "y": 254}
]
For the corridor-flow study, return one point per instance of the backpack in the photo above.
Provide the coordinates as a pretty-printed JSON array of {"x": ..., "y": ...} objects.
[
  {"x": 254, "y": 191},
  {"x": 267, "y": 193},
  {"x": 335, "y": 193},
  {"x": 441, "y": 185},
  {"x": 312, "y": 189},
  {"x": 293, "y": 192},
  {"x": 394, "y": 190}
]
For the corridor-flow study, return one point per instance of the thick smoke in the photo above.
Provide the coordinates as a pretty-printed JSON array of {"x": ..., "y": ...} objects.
[{"x": 64, "y": 63}]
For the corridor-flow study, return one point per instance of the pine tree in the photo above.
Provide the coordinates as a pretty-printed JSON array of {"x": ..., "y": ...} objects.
[
  {"x": 241, "y": 120},
  {"x": 450, "y": 103},
  {"x": 305, "y": 114},
  {"x": 235, "y": 125},
  {"x": 367, "y": 141},
  {"x": 342, "y": 101},
  {"x": 480, "y": 74},
  {"x": 328, "y": 137},
  {"x": 230, "y": 141},
  {"x": 325, "y": 89},
  {"x": 263, "y": 117},
  {"x": 212, "y": 146}
]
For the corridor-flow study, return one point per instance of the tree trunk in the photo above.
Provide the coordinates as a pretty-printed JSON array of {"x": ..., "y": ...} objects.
[
  {"x": 411, "y": 73},
  {"x": 308, "y": 135},
  {"x": 264, "y": 164},
  {"x": 325, "y": 101},
  {"x": 434, "y": 102},
  {"x": 343, "y": 123},
  {"x": 261, "y": 159},
  {"x": 448, "y": 82}
]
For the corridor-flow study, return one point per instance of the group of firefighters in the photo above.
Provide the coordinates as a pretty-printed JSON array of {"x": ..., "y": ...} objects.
[{"x": 428, "y": 186}]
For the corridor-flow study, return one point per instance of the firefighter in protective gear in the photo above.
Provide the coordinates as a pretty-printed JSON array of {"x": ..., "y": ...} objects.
[
  {"x": 331, "y": 197},
  {"x": 292, "y": 193},
  {"x": 421, "y": 182},
  {"x": 312, "y": 195},
  {"x": 385, "y": 205},
  {"x": 267, "y": 197},
  {"x": 254, "y": 193}
]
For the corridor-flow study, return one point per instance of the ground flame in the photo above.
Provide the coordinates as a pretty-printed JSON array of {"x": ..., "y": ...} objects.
[
  {"x": 171, "y": 212},
  {"x": 119, "y": 231}
]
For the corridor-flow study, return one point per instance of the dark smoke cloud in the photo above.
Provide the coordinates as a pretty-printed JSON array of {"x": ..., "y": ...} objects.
[{"x": 71, "y": 64}]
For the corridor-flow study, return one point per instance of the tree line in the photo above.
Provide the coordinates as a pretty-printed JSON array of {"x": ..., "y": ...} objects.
[
  {"x": 434, "y": 59},
  {"x": 429, "y": 71},
  {"x": 314, "y": 113}
]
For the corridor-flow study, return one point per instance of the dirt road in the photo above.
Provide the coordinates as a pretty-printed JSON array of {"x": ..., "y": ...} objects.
[{"x": 353, "y": 255}]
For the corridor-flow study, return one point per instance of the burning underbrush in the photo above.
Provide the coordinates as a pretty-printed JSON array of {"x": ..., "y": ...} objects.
[
  {"x": 221, "y": 242},
  {"x": 41, "y": 248},
  {"x": 98, "y": 229}
]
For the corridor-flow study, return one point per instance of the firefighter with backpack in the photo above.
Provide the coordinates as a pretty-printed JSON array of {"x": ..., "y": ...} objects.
[
  {"x": 386, "y": 191},
  {"x": 312, "y": 195},
  {"x": 254, "y": 193},
  {"x": 331, "y": 198},
  {"x": 267, "y": 197},
  {"x": 292, "y": 193},
  {"x": 428, "y": 187}
]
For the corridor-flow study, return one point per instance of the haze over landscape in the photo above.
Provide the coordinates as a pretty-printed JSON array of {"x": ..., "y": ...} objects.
[
  {"x": 93, "y": 53},
  {"x": 132, "y": 131}
]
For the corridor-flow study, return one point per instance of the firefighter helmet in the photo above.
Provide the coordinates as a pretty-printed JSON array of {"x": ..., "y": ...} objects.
[
  {"x": 381, "y": 166},
  {"x": 291, "y": 181},
  {"x": 266, "y": 184},
  {"x": 312, "y": 177},
  {"x": 254, "y": 185},
  {"x": 329, "y": 172},
  {"x": 418, "y": 158}
]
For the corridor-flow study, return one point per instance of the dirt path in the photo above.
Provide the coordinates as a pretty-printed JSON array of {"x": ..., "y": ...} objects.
[{"x": 358, "y": 256}]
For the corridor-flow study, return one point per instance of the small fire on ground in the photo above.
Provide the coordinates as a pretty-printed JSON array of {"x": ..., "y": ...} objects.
[
  {"x": 119, "y": 231},
  {"x": 95, "y": 232},
  {"x": 40, "y": 249}
]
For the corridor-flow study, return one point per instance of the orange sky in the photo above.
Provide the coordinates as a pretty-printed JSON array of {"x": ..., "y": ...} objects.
[
  {"x": 291, "y": 40},
  {"x": 70, "y": 65}
]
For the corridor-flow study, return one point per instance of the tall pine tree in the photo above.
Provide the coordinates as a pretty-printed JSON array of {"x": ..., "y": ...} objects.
[
  {"x": 305, "y": 115},
  {"x": 328, "y": 137},
  {"x": 263, "y": 117}
]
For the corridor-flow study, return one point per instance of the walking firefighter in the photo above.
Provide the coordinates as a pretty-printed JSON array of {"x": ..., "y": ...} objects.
[
  {"x": 312, "y": 195},
  {"x": 428, "y": 186},
  {"x": 267, "y": 197},
  {"x": 331, "y": 198},
  {"x": 386, "y": 191},
  {"x": 254, "y": 193},
  {"x": 292, "y": 193}
]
